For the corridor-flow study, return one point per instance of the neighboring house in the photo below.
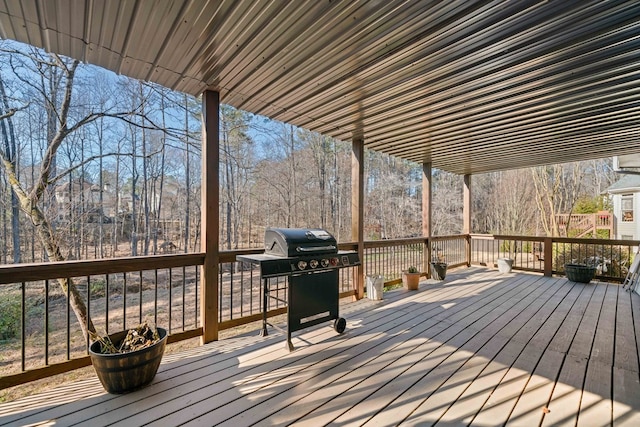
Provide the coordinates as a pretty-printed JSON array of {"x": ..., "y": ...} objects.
[
  {"x": 82, "y": 198},
  {"x": 625, "y": 194}
]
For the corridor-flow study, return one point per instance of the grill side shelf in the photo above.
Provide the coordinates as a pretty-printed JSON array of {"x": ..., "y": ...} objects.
[{"x": 270, "y": 266}]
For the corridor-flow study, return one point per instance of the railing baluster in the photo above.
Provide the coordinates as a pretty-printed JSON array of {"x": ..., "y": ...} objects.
[
  {"x": 170, "y": 297},
  {"x": 155, "y": 299},
  {"x": 88, "y": 311},
  {"x": 196, "y": 296},
  {"x": 46, "y": 322},
  {"x": 68, "y": 319},
  {"x": 23, "y": 322},
  {"x": 220, "y": 293},
  {"x": 124, "y": 301},
  {"x": 250, "y": 290},
  {"x": 231, "y": 308},
  {"x": 106, "y": 305},
  {"x": 140, "y": 299},
  {"x": 242, "y": 290},
  {"x": 184, "y": 292}
]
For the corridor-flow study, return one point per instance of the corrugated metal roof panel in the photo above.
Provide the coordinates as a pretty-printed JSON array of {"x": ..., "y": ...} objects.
[{"x": 447, "y": 82}]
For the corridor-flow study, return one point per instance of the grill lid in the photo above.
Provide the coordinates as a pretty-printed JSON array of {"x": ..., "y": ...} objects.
[{"x": 293, "y": 242}]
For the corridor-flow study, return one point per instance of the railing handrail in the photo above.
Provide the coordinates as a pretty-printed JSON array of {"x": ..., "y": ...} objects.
[{"x": 15, "y": 273}]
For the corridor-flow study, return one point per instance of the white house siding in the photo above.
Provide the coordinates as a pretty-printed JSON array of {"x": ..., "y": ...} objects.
[
  {"x": 628, "y": 184},
  {"x": 625, "y": 228}
]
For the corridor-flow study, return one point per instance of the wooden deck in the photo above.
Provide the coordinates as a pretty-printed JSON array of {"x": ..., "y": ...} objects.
[{"x": 480, "y": 348}]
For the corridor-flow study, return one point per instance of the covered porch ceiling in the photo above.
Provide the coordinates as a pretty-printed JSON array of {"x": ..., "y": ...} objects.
[{"x": 470, "y": 86}]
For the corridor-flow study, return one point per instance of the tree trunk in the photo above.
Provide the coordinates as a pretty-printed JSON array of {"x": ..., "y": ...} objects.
[
  {"x": 10, "y": 150},
  {"x": 187, "y": 178},
  {"x": 134, "y": 205},
  {"x": 48, "y": 241},
  {"x": 101, "y": 210}
]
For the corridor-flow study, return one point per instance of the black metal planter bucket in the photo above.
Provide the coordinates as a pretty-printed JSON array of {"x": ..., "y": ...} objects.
[
  {"x": 438, "y": 270},
  {"x": 124, "y": 372}
]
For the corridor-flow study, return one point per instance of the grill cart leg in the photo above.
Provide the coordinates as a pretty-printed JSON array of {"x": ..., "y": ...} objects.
[
  {"x": 290, "y": 287},
  {"x": 289, "y": 343},
  {"x": 265, "y": 293}
]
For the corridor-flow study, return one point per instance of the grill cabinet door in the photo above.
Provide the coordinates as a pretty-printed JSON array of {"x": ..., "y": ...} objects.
[{"x": 313, "y": 299}]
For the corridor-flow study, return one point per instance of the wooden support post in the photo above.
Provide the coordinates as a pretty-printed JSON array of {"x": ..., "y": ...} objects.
[
  {"x": 426, "y": 216},
  {"x": 357, "y": 210},
  {"x": 548, "y": 256},
  {"x": 210, "y": 217},
  {"x": 466, "y": 215}
]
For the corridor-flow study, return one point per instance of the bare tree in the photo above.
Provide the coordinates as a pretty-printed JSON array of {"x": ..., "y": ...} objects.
[
  {"x": 10, "y": 151},
  {"x": 510, "y": 202},
  {"x": 320, "y": 147},
  {"x": 557, "y": 190},
  {"x": 30, "y": 199},
  {"x": 54, "y": 82},
  {"x": 447, "y": 203},
  {"x": 237, "y": 162}
]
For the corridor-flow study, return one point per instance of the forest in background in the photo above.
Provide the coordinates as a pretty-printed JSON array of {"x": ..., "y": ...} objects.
[{"x": 96, "y": 165}]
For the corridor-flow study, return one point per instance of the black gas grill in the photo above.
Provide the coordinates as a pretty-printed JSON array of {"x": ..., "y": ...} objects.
[{"x": 310, "y": 259}]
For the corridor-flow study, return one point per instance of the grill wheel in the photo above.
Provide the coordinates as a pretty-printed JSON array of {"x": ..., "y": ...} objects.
[{"x": 340, "y": 325}]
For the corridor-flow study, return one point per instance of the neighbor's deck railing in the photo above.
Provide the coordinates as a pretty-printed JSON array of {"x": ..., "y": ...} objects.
[{"x": 40, "y": 336}]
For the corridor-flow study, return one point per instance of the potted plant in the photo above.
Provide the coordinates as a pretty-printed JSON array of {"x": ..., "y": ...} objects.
[
  {"x": 505, "y": 265},
  {"x": 582, "y": 273},
  {"x": 411, "y": 278},
  {"x": 128, "y": 360},
  {"x": 438, "y": 270}
]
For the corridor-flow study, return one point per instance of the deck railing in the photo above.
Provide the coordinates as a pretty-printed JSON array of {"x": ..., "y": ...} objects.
[
  {"x": 389, "y": 258},
  {"x": 549, "y": 255},
  {"x": 40, "y": 336}
]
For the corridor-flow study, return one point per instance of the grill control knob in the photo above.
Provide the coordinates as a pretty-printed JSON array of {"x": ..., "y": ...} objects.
[
  {"x": 302, "y": 265},
  {"x": 313, "y": 263},
  {"x": 334, "y": 261},
  {"x": 324, "y": 262}
]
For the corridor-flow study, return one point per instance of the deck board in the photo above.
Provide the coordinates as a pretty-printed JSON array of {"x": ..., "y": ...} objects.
[
  {"x": 531, "y": 405},
  {"x": 583, "y": 341},
  {"x": 328, "y": 357},
  {"x": 504, "y": 398},
  {"x": 425, "y": 377},
  {"x": 439, "y": 323},
  {"x": 626, "y": 389},
  {"x": 625, "y": 356},
  {"x": 567, "y": 393},
  {"x": 603, "y": 343},
  {"x": 596, "y": 406},
  {"x": 491, "y": 340},
  {"x": 480, "y": 348}
]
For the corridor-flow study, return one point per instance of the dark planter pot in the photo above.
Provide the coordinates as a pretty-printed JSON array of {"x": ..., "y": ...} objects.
[
  {"x": 438, "y": 270},
  {"x": 579, "y": 272},
  {"x": 124, "y": 372}
]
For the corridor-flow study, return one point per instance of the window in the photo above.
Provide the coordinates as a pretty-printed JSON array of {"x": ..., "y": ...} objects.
[{"x": 627, "y": 208}]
